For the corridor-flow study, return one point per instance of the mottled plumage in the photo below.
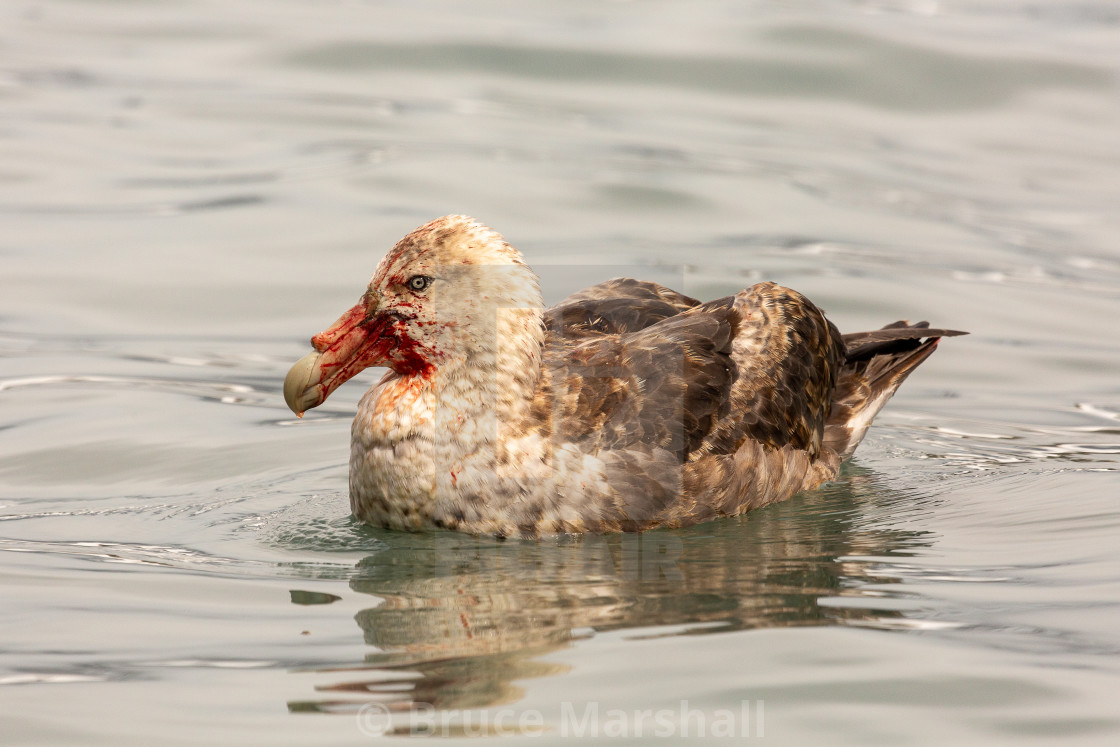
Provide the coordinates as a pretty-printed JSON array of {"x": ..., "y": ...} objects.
[{"x": 626, "y": 407}]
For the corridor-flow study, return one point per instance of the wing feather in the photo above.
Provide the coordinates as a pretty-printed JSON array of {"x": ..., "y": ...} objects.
[
  {"x": 788, "y": 357},
  {"x": 635, "y": 290},
  {"x": 663, "y": 386}
]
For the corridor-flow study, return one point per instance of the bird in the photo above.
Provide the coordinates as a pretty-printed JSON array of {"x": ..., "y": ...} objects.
[{"x": 626, "y": 407}]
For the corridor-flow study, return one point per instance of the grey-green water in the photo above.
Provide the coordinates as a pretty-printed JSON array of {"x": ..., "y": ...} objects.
[{"x": 189, "y": 190}]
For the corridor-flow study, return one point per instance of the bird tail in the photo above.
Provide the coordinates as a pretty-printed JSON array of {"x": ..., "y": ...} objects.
[{"x": 876, "y": 363}]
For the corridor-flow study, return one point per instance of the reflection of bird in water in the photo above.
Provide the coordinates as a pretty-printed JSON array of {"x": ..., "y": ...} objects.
[
  {"x": 627, "y": 407},
  {"x": 464, "y": 619}
]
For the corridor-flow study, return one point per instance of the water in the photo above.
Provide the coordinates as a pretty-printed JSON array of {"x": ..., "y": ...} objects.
[{"x": 190, "y": 190}]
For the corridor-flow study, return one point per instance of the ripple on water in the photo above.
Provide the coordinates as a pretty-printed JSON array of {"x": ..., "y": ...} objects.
[
  {"x": 223, "y": 392},
  {"x": 985, "y": 444}
]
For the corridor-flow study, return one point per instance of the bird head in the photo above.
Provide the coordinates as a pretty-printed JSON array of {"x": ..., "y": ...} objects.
[{"x": 437, "y": 301}]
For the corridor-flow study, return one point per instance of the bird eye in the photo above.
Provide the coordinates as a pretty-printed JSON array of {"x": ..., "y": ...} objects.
[{"x": 419, "y": 282}]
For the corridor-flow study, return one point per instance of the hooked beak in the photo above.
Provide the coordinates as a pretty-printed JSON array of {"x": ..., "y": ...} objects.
[{"x": 342, "y": 350}]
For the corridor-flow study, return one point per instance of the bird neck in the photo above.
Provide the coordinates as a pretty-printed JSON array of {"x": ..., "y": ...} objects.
[{"x": 466, "y": 399}]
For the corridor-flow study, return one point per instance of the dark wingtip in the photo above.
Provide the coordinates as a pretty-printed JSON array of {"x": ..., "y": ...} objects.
[
  {"x": 893, "y": 338},
  {"x": 927, "y": 332}
]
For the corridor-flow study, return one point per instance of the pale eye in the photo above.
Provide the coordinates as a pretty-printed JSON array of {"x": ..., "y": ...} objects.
[{"x": 419, "y": 282}]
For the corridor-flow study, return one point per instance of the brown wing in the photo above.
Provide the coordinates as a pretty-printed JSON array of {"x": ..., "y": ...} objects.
[
  {"x": 771, "y": 443},
  {"x": 759, "y": 365},
  {"x": 615, "y": 307},
  {"x": 737, "y": 389},
  {"x": 662, "y": 387},
  {"x": 788, "y": 357},
  {"x": 641, "y": 401},
  {"x": 636, "y": 290}
]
